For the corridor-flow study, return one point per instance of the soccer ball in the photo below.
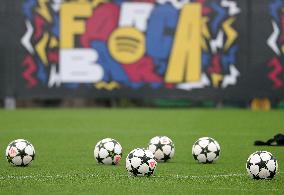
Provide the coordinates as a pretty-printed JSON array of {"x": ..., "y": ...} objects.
[
  {"x": 162, "y": 147},
  {"x": 262, "y": 165},
  {"x": 140, "y": 162},
  {"x": 20, "y": 152},
  {"x": 108, "y": 151},
  {"x": 206, "y": 150}
]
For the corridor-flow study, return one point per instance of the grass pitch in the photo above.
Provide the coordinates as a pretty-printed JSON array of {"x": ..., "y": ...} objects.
[{"x": 64, "y": 140}]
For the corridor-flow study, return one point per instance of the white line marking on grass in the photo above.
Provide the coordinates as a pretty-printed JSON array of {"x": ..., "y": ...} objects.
[
  {"x": 204, "y": 176},
  {"x": 121, "y": 175},
  {"x": 179, "y": 177},
  {"x": 57, "y": 176}
]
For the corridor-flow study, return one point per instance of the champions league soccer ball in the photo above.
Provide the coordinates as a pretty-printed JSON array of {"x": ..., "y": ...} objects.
[
  {"x": 20, "y": 152},
  {"x": 162, "y": 147},
  {"x": 140, "y": 162},
  {"x": 206, "y": 150},
  {"x": 262, "y": 165},
  {"x": 108, "y": 151}
]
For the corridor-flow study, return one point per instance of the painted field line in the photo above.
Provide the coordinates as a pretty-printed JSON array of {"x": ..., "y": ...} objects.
[
  {"x": 121, "y": 175},
  {"x": 57, "y": 176},
  {"x": 178, "y": 177},
  {"x": 204, "y": 176}
]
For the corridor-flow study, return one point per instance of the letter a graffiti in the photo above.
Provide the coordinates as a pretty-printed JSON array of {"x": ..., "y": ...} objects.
[{"x": 185, "y": 60}]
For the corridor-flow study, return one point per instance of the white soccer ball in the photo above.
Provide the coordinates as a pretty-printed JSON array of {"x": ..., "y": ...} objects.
[
  {"x": 108, "y": 151},
  {"x": 206, "y": 150},
  {"x": 20, "y": 152},
  {"x": 162, "y": 147},
  {"x": 262, "y": 165},
  {"x": 140, "y": 162}
]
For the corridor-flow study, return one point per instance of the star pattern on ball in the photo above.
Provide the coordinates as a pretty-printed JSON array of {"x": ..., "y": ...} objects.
[
  {"x": 159, "y": 145},
  {"x": 201, "y": 151},
  {"x": 130, "y": 155},
  {"x": 145, "y": 159},
  {"x": 158, "y": 148},
  {"x": 262, "y": 166},
  {"x": 166, "y": 157},
  {"x": 134, "y": 169},
  {"x": 99, "y": 159},
  {"x": 101, "y": 145},
  {"x": 20, "y": 158},
  {"x": 111, "y": 154}
]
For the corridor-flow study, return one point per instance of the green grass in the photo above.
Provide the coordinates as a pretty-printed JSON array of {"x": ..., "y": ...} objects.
[{"x": 64, "y": 141}]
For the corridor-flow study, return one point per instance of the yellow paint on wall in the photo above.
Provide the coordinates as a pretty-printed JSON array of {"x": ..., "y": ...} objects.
[
  {"x": 216, "y": 79},
  {"x": 69, "y": 25},
  {"x": 230, "y": 32},
  {"x": 53, "y": 43},
  {"x": 282, "y": 49},
  {"x": 41, "y": 48},
  {"x": 204, "y": 44},
  {"x": 126, "y": 45},
  {"x": 205, "y": 29},
  {"x": 43, "y": 10},
  {"x": 205, "y": 33},
  {"x": 185, "y": 60},
  {"x": 95, "y": 3},
  {"x": 108, "y": 86}
]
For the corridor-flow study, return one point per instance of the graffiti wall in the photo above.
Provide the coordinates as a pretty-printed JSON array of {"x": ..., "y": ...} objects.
[
  {"x": 159, "y": 48},
  {"x": 276, "y": 43},
  {"x": 265, "y": 73}
]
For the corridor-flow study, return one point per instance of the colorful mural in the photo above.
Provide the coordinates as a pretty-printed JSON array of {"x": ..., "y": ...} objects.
[
  {"x": 276, "y": 43},
  {"x": 162, "y": 44}
]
